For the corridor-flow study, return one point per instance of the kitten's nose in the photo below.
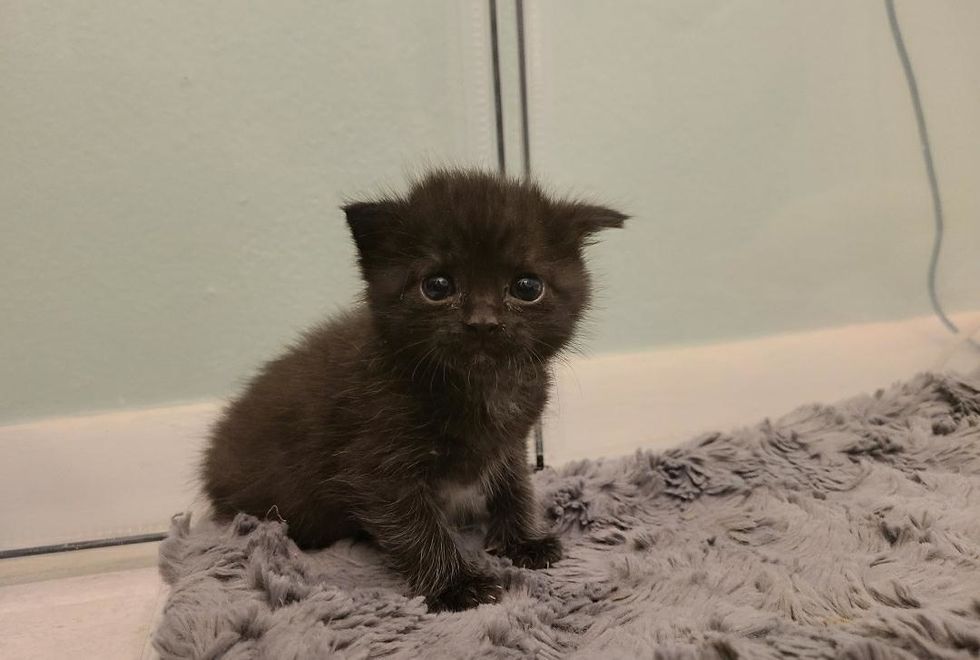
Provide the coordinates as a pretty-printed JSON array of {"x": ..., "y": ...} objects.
[{"x": 482, "y": 319}]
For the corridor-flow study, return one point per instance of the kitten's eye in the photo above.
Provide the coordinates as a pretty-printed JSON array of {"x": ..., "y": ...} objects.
[
  {"x": 527, "y": 288},
  {"x": 437, "y": 287}
]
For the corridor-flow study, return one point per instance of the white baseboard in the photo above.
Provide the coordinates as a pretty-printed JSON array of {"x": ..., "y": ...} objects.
[
  {"x": 98, "y": 476},
  {"x": 612, "y": 404},
  {"x": 125, "y": 473}
]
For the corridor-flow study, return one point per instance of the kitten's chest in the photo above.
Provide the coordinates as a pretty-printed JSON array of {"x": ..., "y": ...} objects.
[
  {"x": 493, "y": 414},
  {"x": 461, "y": 500},
  {"x": 465, "y": 472}
]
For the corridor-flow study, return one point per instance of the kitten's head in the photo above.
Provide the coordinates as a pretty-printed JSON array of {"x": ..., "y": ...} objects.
[{"x": 474, "y": 270}]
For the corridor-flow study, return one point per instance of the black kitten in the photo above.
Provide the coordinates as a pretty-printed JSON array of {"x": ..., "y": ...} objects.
[{"x": 382, "y": 420}]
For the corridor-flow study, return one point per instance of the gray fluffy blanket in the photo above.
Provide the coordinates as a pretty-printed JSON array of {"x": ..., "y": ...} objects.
[{"x": 847, "y": 531}]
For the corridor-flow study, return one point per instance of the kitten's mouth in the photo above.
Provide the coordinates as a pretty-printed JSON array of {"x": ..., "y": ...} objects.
[
  {"x": 486, "y": 352},
  {"x": 481, "y": 358}
]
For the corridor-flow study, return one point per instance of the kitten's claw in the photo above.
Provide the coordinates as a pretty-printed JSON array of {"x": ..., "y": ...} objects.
[
  {"x": 469, "y": 591},
  {"x": 533, "y": 553}
]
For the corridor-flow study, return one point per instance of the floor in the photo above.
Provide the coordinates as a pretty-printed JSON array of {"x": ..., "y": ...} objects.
[{"x": 100, "y": 603}]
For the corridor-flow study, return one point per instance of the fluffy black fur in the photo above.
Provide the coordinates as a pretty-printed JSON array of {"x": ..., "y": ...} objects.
[{"x": 379, "y": 420}]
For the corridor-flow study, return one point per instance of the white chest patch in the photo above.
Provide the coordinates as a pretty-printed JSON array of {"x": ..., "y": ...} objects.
[{"x": 461, "y": 501}]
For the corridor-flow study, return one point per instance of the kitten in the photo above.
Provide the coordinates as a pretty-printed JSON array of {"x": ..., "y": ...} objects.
[{"x": 380, "y": 420}]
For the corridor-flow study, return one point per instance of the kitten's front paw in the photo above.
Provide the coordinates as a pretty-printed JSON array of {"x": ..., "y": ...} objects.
[
  {"x": 533, "y": 553},
  {"x": 468, "y": 591}
]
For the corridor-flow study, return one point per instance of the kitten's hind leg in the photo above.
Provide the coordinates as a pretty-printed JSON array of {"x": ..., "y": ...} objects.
[
  {"x": 412, "y": 530},
  {"x": 319, "y": 530},
  {"x": 515, "y": 530}
]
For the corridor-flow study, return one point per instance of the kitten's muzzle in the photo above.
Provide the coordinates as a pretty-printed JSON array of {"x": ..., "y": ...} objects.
[{"x": 483, "y": 321}]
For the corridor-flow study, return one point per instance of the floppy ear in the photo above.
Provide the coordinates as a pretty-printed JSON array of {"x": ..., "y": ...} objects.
[
  {"x": 584, "y": 220},
  {"x": 590, "y": 218},
  {"x": 371, "y": 224}
]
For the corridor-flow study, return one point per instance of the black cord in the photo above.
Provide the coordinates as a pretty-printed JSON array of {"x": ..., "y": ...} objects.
[
  {"x": 526, "y": 153},
  {"x": 522, "y": 63},
  {"x": 937, "y": 205},
  {"x": 498, "y": 105},
  {"x": 81, "y": 545}
]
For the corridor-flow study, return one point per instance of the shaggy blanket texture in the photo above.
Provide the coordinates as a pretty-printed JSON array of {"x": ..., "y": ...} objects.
[{"x": 847, "y": 531}]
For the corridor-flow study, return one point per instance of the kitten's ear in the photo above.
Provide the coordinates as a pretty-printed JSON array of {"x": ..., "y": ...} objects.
[
  {"x": 592, "y": 218},
  {"x": 587, "y": 219},
  {"x": 371, "y": 223}
]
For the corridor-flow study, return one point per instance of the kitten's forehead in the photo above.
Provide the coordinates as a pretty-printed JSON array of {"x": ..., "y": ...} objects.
[{"x": 475, "y": 216}]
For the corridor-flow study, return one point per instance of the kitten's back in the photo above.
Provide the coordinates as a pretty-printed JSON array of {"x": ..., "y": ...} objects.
[{"x": 273, "y": 441}]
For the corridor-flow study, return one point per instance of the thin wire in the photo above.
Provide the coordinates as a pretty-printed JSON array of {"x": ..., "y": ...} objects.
[
  {"x": 497, "y": 99},
  {"x": 526, "y": 153},
  {"x": 522, "y": 63},
  {"x": 937, "y": 205},
  {"x": 81, "y": 545}
]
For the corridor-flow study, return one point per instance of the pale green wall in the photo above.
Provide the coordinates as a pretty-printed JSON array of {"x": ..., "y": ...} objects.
[
  {"x": 170, "y": 173},
  {"x": 769, "y": 154}
]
